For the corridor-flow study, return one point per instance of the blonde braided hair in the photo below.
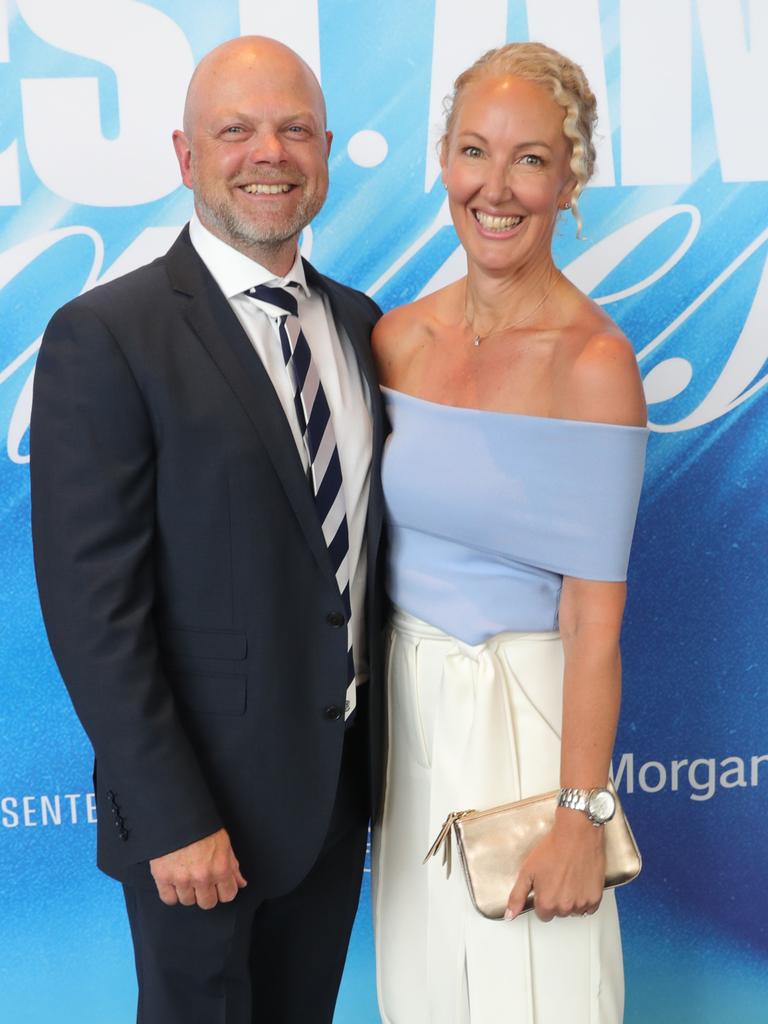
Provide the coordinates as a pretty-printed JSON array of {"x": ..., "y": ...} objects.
[{"x": 566, "y": 83}]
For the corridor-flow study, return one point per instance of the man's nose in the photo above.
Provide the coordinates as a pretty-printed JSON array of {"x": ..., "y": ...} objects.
[{"x": 266, "y": 147}]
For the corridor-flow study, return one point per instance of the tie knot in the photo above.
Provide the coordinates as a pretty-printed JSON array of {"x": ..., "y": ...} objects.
[{"x": 280, "y": 297}]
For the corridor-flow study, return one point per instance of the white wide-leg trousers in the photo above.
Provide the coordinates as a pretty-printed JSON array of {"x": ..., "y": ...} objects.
[{"x": 471, "y": 727}]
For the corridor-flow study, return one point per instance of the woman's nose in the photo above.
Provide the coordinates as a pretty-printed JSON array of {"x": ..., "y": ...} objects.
[{"x": 497, "y": 185}]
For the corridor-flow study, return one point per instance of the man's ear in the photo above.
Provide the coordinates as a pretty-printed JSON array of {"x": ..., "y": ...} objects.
[{"x": 184, "y": 156}]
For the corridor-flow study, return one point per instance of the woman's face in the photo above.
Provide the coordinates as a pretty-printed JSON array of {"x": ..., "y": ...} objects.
[{"x": 506, "y": 168}]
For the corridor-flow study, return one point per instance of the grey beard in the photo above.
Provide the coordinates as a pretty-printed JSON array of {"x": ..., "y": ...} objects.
[{"x": 245, "y": 235}]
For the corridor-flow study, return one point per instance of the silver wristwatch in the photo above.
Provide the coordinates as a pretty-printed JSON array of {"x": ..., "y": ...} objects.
[{"x": 599, "y": 805}]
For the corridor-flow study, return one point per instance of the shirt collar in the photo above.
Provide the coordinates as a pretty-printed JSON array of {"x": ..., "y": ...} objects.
[{"x": 235, "y": 272}]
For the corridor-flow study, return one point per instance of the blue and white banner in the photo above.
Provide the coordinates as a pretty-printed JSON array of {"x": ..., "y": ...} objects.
[{"x": 676, "y": 227}]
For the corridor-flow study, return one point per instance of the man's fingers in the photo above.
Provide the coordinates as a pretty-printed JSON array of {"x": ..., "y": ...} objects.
[
  {"x": 206, "y": 897},
  {"x": 203, "y": 893},
  {"x": 227, "y": 890},
  {"x": 204, "y": 873},
  {"x": 167, "y": 893},
  {"x": 186, "y": 895}
]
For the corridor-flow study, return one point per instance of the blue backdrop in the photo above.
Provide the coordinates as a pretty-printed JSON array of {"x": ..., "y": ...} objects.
[{"x": 675, "y": 248}]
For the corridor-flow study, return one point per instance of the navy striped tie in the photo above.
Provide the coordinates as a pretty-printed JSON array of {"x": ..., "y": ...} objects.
[{"x": 314, "y": 416}]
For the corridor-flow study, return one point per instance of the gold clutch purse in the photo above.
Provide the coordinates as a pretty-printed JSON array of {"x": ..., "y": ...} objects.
[{"x": 493, "y": 845}]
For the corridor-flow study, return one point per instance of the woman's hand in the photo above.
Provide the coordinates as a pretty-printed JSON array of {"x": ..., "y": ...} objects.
[{"x": 566, "y": 870}]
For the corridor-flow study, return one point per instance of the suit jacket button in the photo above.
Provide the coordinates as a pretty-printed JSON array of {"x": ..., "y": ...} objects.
[
  {"x": 333, "y": 712},
  {"x": 335, "y": 619}
]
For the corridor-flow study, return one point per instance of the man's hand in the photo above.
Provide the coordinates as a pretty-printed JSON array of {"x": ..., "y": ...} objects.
[{"x": 204, "y": 873}]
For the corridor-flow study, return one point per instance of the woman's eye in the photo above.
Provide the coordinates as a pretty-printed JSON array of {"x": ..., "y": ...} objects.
[
  {"x": 531, "y": 160},
  {"x": 473, "y": 151}
]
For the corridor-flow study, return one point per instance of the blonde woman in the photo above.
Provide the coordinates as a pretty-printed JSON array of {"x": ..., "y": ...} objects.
[{"x": 512, "y": 479}]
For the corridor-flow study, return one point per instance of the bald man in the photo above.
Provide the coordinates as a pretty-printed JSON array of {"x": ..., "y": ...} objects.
[{"x": 221, "y": 649}]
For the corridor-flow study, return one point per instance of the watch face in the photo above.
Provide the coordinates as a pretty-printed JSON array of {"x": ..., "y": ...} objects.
[{"x": 601, "y": 806}]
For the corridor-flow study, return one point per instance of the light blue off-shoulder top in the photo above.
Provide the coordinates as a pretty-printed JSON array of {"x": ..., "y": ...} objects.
[{"x": 488, "y": 511}]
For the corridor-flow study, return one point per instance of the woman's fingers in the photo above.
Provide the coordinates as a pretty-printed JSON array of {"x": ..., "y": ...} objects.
[
  {"x": 564, "y": 885},
  {"x": 519, "y": 895}
]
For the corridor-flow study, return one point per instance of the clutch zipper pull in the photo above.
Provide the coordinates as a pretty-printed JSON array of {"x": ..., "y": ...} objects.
[{"x": 444, "y": 840}]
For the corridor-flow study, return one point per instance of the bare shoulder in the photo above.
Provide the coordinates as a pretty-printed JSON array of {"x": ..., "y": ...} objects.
[
  {"x": 398, "y": 337},
  {"x": 605, "y": 379},
  {"x": 393, "y": 327}
]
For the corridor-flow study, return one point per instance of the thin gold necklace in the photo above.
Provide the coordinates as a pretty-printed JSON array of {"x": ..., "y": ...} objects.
[{"x": 479, "y": 338}]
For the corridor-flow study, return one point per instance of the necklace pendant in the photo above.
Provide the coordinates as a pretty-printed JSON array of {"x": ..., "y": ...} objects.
[{"x": 476, "y": 341}]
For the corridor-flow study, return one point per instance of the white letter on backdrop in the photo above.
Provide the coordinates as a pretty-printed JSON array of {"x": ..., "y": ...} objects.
[
  {"x": 458, "y": 41},
  {"x": 10, "y": 181},
  {"x": 573, "y": 27},
  {"x": 656, "y": 42},
  {"x": 152, "y": 62},
  {"x": 736, "y": 55}
]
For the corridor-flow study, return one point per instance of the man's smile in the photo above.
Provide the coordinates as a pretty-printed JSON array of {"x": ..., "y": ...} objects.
[{"x": 266, "y": 189}]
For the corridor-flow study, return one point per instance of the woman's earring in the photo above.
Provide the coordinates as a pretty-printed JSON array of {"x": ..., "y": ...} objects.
[{"x": 566, "y": 206}]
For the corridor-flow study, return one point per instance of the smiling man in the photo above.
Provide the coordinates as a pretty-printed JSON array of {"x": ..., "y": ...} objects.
[
  {"x": 255, "y": 154},
  {"x": 206, "y": 435}
]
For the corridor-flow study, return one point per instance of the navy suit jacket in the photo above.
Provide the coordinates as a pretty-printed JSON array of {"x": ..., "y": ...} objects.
[{"x": 185, "y": 583}]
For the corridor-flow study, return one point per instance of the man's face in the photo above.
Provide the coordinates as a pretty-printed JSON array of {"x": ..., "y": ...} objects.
[{"x": 255, "y": 152}]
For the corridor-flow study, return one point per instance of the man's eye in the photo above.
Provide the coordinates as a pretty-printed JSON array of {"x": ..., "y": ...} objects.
[{"x": 233, "y": 129}]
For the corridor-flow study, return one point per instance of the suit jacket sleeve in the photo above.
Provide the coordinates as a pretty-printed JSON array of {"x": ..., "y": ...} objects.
[{"x": 93, "y": 480}]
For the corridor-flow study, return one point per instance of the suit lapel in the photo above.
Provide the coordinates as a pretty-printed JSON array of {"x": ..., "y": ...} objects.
[
  {"x": 211, "y": 318},
  {"x": 352, "y": 319},
  {"x": 350, "y": 313}
]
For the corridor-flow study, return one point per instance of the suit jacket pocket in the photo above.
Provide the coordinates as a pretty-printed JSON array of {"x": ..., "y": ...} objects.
[
  {"x": 215, "y": 694},
  {"x": 222, "y": 644}
]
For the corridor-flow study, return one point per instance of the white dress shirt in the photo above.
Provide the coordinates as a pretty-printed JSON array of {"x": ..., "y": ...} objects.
[{"x": 344, "y": 386}]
